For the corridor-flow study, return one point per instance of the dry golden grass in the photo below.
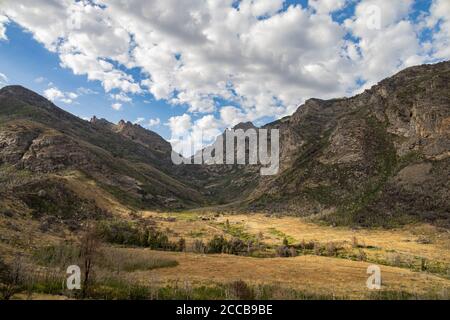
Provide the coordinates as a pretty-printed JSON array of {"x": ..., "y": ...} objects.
[
  {"x": 404, "y": 241},
  {"x": 319, "y": 275},
  {"x": 420, "y": 240},
  {"x": 309, "y": 273},
  {"x": 89, "y": 189}
]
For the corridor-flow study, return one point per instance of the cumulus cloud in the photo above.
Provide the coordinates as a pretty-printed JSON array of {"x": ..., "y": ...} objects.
[
  {"x": 327, "y": 6},
  {"x": 439, "y": 19},
  {"x": 139, "y": 120},
  {"x": 121, "y": 97},
  {"x": 154, "y": 122},
  {"x": 3, "y": 79},
  {"x": 387, "y": 40},
  {"x": 231, "y": 116},
  {"x": 55, "y": 95},
  {"x": 86, "y": 91},
  {"x": 209, "y": 50},
  {"x": 116, "y": 106},
  {"x": 190, "y": 136},
  {"x": 39, "y": 80},
  {"x": 243, "y": 60},
  {"x": 3, "y": 22},
  {"x": 179, "y": 125}
]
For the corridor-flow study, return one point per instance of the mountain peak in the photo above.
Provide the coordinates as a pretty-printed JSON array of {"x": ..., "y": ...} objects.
[
  {"x": 244, "y": 126},
  {"x": 26, "y": 95}
]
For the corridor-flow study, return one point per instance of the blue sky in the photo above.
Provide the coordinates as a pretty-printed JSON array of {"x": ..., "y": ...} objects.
[
  {"x": 274, "y": 56},
  {"x": 28, "y": 63}
]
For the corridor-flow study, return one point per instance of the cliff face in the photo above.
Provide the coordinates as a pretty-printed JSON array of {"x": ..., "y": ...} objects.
[
  {"x": 376, "y": 158},
  {"x": 379, "y": 158}
]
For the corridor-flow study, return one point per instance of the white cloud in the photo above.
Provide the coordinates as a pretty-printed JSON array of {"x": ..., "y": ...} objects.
[
  {"x": 55, "y": 95},
  {"x": 231, "y": 116},
  {"x": 253, "y": 54},
  {"x": 116, "y": 106},
  {"x": 3, "y": 21},
  {"x": 387, "y": 43},
  {"x": 3, "y": 79},
  {"x": 263, "y": 7},
  {"x": 121, "y": 97},
  {"x": 327, "y": 6},
  {"x": 440, "y": 18},
  {"x": 86, "y": 91},
  {"x": 179, "y": 125},
  {"x": 189, "y": 137},
  {"x": 193, "y": 56},
  {"x": 39, "y": 80},
  {"x": 154, "y": 122},
  {"x": 101, "y": 70},
  {"x": 139, "y": 120}
]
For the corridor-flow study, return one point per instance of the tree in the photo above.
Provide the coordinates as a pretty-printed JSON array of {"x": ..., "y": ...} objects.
[{"x": 89, "y": 250}]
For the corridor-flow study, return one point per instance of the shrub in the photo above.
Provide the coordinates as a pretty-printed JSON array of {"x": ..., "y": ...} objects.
[
  {"x": 217, "y": 244},
  {"x": 181, "y": 245},
  {"x": 235, "y": 246},
  {"x": 286, "y": 252},
  {"x": 11, "y": 278},
  {"x": 241, "y": 290},
  {"x": 198, "y": 246},
  {"x": 128, "y": 233}
]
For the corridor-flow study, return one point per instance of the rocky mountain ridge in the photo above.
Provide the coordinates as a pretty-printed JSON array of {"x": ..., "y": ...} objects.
[{"x": 379, "y": 158}]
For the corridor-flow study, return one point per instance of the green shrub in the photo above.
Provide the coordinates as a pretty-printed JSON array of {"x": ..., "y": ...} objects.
[
  {"x": 218, "y": 244},
  {"x": 128, "y": 233}
]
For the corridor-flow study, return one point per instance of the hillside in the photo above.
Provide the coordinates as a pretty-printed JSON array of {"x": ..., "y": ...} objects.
[
  {"x": 379, "y": 158},
  {"x": 45, "y": 152}
]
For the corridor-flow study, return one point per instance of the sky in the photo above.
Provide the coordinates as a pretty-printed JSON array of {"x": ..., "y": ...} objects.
[{"x": 185, "y": 67}]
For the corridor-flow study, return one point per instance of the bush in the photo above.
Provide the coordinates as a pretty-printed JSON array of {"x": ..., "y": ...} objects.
[
  {"x": 11, "y": 278},
  {"x": 241, "y": 291},
  {"x": 128, "y": 233},
  {"x": 218, "y": 244},
  {"x": 236, "y": 246},
  {"x": 286, "y": 252},
  {"x": 198, "y": 246}
]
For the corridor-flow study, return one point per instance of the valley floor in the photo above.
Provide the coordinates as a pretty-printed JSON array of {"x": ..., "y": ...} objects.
[
  {"x": 319, "y": 276},
  {"x": 331, "y": 263}
]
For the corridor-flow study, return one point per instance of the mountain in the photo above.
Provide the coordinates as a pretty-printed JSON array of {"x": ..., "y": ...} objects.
[
  {"x": 46, "y": 151},
  {"x": 379, "y": 158}
]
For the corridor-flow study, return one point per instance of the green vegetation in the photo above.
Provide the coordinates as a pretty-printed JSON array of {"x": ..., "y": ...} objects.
[
  {"x": 130, "y": 234},
  {"x": 282, "y": 235},
  {"x": 237, "y": 231}
]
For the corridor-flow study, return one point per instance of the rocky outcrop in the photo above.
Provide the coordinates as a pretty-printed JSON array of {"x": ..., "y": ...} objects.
[
  {"x": 147, "y": 138},
  {"x": 380, "y": 157}
]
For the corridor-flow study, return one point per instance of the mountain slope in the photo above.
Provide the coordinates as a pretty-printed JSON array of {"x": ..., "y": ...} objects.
[
  {"x": 379, "y": 158},
  {"x": 375, "y": 159},
  {"x": 37, "y": 139}
]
